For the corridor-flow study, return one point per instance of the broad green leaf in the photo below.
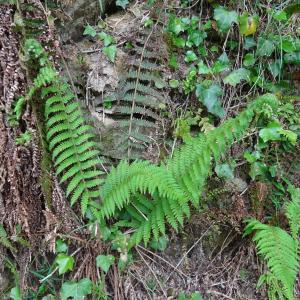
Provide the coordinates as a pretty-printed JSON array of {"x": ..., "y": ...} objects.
[
  {"x": 249, "y": 43},
  {"x": 122, "y": 3},
  {"x": 89, "y": 30},
  {"x": 249, "y": 60},
  {"x": 15, "y": 293},
  {"x": 190, "y": 56},
  {"x": 65, "y": 263},
  {"x": 174, "y": 83},
  {"x": 224, "y": 171},
  {"x": 258, "y": 169},
  {"x": 110, "y": 52},
  {"x": 211, "y": 97},
  {"x": 292, "y": 58},
  {"x": 106, "y": 38},
  {"x": 104, "y": 262},
  {"x": 61, "y": 246},
  {"x": 290, "y": 135},
  {"x": 271, "y": 132},
  {"x": 275, "y": 67},
  {"x": 248, "y": 24},
  {"x": 280, "y": 15},
  {"x": 76, "y": 290},
  {"x": 203, "y": 68},
  {"x": 175, "y": 25},
  {"x": 173, "y": 62},
  {"x": 221, "y": 64},
  {"x": 161, "y": 244},
  {"x": 225, "y": 18},
  {"x": 288, "y": 44},
  {"x": 237, "y": 76},
  {"x": 265, "y": 47},
  {"x": 178, "y": 41},
  {"x": 196, "y": 38}
]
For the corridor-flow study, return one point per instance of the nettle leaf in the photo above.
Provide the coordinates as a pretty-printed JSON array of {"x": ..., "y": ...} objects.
[
  {"x": 292, "y": 58},
  {"x": 211, "y": 98},
  {"x": 110, "y": 52},
  {"x": 287, "y": 44},
  {"x": 265, "y": 47},
  {"x": 248, "y": 24},
  {"x": 237, "y": 76},
  {"x": 65, "y": 263},
  {"x": 249, "y": 60},
  {"x": 122, "y": 3},
  {"x": 89, "y": 30},
  {"x": 225, "y": 18},
  {"x": 104, "y": 262},
  {"x": 76, "y": 290}
]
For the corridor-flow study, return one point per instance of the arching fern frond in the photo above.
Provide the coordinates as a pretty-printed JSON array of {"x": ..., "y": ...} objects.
[
  {"x": 173, "y": 184},
  {"x": 70, "y": 138}
]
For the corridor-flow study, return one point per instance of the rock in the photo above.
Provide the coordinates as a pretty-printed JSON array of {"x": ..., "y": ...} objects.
[{"x": 79, "y": 13}]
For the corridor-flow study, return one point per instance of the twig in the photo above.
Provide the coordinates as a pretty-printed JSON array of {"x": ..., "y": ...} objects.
[
  {"x": 219, "y": 294},
  {"x": 138, "y": 251},
  {"x": 164, "y": 260}
]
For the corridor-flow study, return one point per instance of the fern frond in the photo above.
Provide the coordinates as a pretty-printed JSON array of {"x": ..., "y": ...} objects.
[
  {"x": 70, "y": 138},
  {"x": 293, "y": 212},
  {"x": 280, "y": 251}
]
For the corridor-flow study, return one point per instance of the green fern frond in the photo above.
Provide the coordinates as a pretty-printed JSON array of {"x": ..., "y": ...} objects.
[
  {"x": 173, "y": 184},
  {"x": 4, "y": 240},
  {"x": 280, "y": 250},
  {"x": 293, "y": 212},
  {"x": 70, "y": 138}
]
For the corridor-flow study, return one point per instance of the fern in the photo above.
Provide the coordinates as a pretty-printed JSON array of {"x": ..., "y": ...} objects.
[
  {"x": 4, "y": 240},
  {"x": 71, "y": 140},
  {"x": 172, "y": 184},
  {"x": 280, "y": 250}
]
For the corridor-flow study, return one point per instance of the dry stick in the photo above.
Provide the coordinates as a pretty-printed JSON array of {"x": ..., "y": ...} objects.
[
  {"x": 164, "y": 260},
  {"x": 138, "y": 251},
  {"x": 187, "y": 252},
  {"x": 220, "y": 294}
]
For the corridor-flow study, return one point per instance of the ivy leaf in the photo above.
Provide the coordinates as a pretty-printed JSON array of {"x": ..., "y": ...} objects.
[
  {"x": 110, "y": 52},
  {"x": 203, "y": 68},
  {"x": 106, "y": 38},
  {"x": 280, "y": 15},
  {"x": 271, "y": 132},
  {"x": 122, "y": 3},
  {"x": 221, "y": 64},
  {"x": 175, "y": 25},
  {"x": 61, "y": 246},
  {"x": 265, "y": 47},
  {"x": 224, "y": 171},
  {"x": 174, "y": 83},
  {"x": 89, "y": 30},
  {"x": 190, "y": 56},
  {"x": 225, "y": 18},
  {"x": 196, "y": 38},
  {"x": 237, "y": 76},
  {"x": 15, "y": 293},
  {"x": 65, "y": 263},
  {"x": 249, "y": 43},
  {"x": 249, "y": 60},
  {"x": 104, "y": 262},
  {"x": 248, "y": 24},
  {"x": 76, "y": 290},
  {"x": 210, "y": 97}
]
